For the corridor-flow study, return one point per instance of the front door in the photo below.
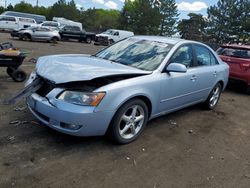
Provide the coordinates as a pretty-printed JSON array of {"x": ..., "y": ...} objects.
[{"x": 177, "y": 88}]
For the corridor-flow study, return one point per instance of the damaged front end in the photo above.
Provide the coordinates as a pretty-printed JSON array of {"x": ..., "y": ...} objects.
[{"x": 42, "y": 86}]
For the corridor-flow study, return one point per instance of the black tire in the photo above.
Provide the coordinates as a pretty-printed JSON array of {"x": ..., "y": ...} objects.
[
  {"x": 88, "y": 40},
  {"x": 26, "y": 37},
  {"x": 111, "y": 42},
  {"x": 18, "y": 75},
  {"x": 208, "y": 104},
  {"x": 54, "y": 40},
  {"x": 248, "y": 90},
  {"x": 10, "y": 71},
  {"x": 117, "y": 121}
]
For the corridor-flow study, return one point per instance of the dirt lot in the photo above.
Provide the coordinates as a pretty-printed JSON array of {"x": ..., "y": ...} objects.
[{"x": 190, "y": 148}]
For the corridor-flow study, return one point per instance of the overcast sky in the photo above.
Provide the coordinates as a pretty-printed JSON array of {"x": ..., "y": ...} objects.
[{"x": 184, "y": 7}]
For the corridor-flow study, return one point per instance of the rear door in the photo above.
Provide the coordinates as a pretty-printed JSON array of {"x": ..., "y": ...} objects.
[
  {"x": 76, "y": 32},
  {"x": 41, "y": 33},
  {"x": 206, "y": 71}
]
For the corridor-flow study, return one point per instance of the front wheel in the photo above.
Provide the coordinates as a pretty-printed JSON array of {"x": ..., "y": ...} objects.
[
  {"x": 110, "y": 42},
  {"x": 88, "y": 40},
  {"x": 129, "y": 122},
  {"x": 213, "y": 97},
  {"x": 54, "y": 40}
]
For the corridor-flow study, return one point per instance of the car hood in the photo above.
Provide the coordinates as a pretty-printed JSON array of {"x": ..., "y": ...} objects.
[
  {"x": 71, "y": 68},
  {"x": 103, "y": 35}
]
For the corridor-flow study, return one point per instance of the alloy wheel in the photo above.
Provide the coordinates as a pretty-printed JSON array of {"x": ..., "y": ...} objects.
[{"x": 131, "y": 122}]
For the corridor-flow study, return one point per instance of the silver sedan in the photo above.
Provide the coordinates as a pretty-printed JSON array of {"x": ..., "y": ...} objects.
[
  {"x": 39, "y": 34},
  {"x": 119, "y": 89}
]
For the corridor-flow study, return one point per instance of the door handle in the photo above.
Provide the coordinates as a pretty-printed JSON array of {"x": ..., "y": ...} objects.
[{"x": 193, "y": 78}]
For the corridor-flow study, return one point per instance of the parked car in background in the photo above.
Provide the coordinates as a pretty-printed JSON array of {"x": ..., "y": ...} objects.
[
  {"x": 39, "y": 34},
  {"x": 38, "y": 18},
  {"x": 111, "y": 36},
  {"x": 74, "y": 32},
  {"x": 64, "y": 22},
  {"x": 16, "y": 32},
  {"x": 238, "y": 59},
  {"x": 50, "y": 25},
  {"x": 12, "y": 23},
  {"x": 119, "y": 89}
]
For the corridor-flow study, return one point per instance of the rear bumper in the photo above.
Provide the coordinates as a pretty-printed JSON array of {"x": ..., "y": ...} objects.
[
  {"x": 92, "y": 123},
  {"x": 242, "y": 76}
]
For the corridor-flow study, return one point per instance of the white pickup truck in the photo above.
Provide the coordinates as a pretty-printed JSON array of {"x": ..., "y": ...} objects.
[{"x": 111, "y": 36}]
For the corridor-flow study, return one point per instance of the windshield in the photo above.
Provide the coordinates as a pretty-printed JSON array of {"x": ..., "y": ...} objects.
[
  {"x": 109, "y": 32},
  {"x": 138, "y": 53}
]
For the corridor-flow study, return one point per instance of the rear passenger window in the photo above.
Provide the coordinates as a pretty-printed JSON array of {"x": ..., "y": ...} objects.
[
  {"x": 214, "y": 61},
  {"x": 204, "y": 56},
  {"x": 76, "y": 29}
]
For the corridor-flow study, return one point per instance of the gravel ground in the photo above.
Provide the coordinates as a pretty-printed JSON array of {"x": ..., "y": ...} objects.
[{"x": 189, "y": 148}]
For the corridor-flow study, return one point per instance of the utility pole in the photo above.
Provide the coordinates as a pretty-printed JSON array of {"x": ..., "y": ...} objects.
[
  {"x": 37, "y": 3},
  {"x": 5, "y": 4}
]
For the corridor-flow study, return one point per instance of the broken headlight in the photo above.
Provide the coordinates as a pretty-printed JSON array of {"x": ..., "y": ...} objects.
[{"x": 82, "y": 98}]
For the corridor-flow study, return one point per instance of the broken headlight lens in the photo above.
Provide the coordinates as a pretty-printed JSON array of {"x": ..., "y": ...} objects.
[{"x": 82, "y": 98}]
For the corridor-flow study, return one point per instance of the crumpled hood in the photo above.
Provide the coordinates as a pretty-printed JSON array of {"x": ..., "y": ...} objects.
[{"x": 70, "y": 68}]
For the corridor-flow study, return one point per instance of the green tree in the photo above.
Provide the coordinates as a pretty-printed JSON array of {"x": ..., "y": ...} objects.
[
  {"x": 2, "y": 9},
  {"x": 10, "y": 7},
  {"x": 228, "y": 19},
  {"x": 99, "y": 19},
  {"x": 193, "y": 28},
  {"x": 169, "y": 16},
  {"x": 140, "y": 16},
  {"x": 24, "y": 7},
  {"x": 63, "y": 9}
]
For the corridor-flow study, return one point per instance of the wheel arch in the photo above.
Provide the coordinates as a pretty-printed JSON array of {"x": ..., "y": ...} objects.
[
  {"x": 144, "y": 98},
  {"x": 221, "y": 83}
]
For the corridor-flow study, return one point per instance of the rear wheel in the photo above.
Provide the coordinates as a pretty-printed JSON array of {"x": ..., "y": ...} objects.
[
  {"x": 18, "y": 75},
  {"x": 129, "y": 122},
  {"x": 213, "y": 97}
]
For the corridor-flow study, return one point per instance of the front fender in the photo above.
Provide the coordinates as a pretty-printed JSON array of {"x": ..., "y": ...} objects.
[{"x": 119, "y": 93}]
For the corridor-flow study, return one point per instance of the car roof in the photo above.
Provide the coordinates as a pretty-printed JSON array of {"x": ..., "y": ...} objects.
[
  {"x": 169, "y": 40},
  {"x": 236, "y": 46}
]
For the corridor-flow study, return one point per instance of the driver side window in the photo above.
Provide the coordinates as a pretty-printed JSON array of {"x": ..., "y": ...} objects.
[{"x": 184, "y": 55}]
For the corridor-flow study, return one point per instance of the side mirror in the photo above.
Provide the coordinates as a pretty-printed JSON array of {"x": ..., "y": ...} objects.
[{"x": 176, "y": 67}]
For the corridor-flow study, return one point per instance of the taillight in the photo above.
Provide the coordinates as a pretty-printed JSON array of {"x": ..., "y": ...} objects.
[{"x": 245, "y": 66}]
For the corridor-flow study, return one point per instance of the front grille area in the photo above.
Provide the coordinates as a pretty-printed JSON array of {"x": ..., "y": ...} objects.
[
  {"x": 102, "y": 40},
  {"x": 47, "y": 87},
  {"x": 45, "y": 118}
]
